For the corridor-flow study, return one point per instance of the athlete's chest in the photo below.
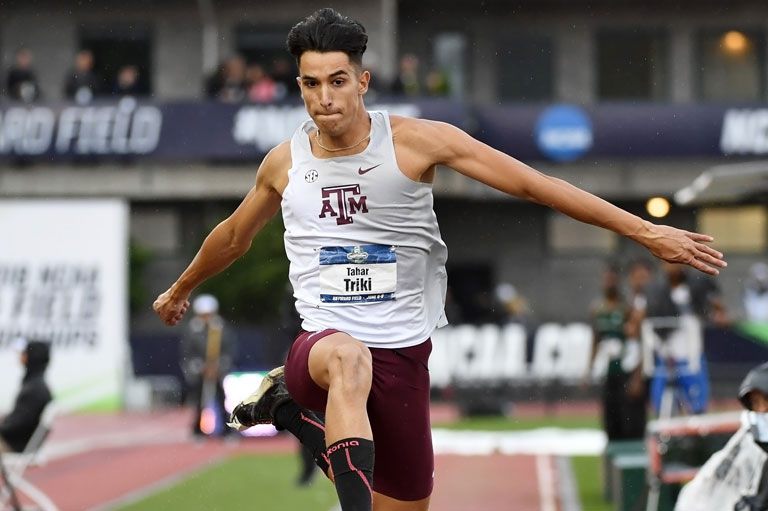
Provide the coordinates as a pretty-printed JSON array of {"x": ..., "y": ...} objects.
[{"x": 336, "y": 193}]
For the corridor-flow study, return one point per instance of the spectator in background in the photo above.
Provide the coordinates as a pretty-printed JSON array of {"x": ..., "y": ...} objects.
[
  {"x": 214, "y": 82},
  {"x": 17, "y": 427},
  {"x": 231, "y": 89},
  {"x": 512, "y": 307},
  {"x": 623, "y": 398},
  {"x": 261, "y": 88},
  {"x": 82, "y": 85},
  {"x": 127, "y": 82},
  {"x": 284, "y": 74},
  {"x": 407, "y": 82},
  {"x": 21, "y": 81},
  {"x": 679, "y": 308},
  {"x": 436, "y": 83},
  {"x": 208, "y": 350},
  {"x": 682, "y": 293},
  {"x": 640, "y": 275},
  {"x": 756, "y": 293}
]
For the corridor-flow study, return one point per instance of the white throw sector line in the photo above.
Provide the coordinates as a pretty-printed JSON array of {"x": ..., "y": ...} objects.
[{"x": 546, "y": 479}]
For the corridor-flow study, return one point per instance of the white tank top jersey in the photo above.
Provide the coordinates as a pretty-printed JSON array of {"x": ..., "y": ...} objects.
[{"x": 365, "y": 252}]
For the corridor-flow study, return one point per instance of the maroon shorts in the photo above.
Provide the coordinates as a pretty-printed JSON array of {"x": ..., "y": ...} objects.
[{"x": 398, "y": 409}]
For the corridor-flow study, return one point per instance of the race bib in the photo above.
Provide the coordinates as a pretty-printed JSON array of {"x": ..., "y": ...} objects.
[{"x": 358, "y": 274}]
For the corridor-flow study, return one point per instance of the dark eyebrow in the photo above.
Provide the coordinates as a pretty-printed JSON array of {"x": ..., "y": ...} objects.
[{"x": 332, "y": 75}]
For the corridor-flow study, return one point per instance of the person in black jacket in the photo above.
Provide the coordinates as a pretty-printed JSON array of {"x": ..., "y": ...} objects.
[
  {"x": 21, "y": 81},
  {"x": 17, "y": 427},
  {"x": 83, "y": 84}
]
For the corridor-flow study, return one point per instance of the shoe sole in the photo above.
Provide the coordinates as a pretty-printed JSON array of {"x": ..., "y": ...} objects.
[{"x": 269, "y": 381}]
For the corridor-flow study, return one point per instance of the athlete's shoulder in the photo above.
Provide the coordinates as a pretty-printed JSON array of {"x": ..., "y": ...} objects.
[
  {"x": 281, "y": 153},
  {"x": 274, "y": 168},
  {"x": 278, "y": 158},
  {"x": 421, "y": 129},
  {"x": 435, "y": 138},
  {"x": 412, "y": 126}
]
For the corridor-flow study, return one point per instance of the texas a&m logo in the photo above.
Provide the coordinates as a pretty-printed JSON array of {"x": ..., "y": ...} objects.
[{"x": 341, "y": 202}]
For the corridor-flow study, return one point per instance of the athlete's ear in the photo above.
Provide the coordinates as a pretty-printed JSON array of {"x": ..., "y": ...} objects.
[{"x": 365, "y": 79}]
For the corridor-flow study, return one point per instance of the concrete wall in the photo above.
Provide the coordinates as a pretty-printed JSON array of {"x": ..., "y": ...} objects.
[{"x": 178, "y": 56}]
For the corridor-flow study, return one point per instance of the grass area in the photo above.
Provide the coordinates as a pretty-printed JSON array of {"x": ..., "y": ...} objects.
[
  {"x": 493, "y": 423},
  {"x": 755, "y": 330},
  {"x": 587, "y": 471},
  {"x": 265, "y": 482}
]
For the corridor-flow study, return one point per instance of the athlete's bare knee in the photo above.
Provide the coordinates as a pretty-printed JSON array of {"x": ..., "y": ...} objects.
[
  {"x": 384, "y": 503},
  {"x": 351, "y": 369}
]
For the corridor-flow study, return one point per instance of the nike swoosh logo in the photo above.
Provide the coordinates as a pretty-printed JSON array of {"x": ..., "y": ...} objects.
[{"x": 362, "y": 171}]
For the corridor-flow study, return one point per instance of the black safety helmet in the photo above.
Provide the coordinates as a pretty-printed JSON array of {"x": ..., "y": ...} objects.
[{"x": 756, "y": 379}]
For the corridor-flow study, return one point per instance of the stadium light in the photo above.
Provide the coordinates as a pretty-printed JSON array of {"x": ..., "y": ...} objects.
[
  {"x": 735, "y": 42},
  {"x": 657, "y": 207}
]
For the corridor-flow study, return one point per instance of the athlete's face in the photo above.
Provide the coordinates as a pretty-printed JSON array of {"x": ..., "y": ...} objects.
[{"x": 332, "y": 88}]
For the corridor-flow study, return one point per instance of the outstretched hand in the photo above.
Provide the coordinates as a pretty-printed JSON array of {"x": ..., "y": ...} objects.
[
  {"x": 170, "y": 309},
  {"x": 678, "y": 246}
]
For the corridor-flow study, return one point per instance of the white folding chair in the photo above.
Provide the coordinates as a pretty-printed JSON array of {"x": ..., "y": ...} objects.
[{"x": 14, "y": 465}]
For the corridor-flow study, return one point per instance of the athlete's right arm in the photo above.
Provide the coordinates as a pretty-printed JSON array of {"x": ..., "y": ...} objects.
[{"x": 231, "y": 238}]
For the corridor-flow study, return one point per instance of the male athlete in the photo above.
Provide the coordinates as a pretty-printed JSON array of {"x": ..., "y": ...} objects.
[{"x": 368, "y": 267}]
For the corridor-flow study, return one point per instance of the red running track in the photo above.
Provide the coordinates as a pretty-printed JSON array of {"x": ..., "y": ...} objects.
[{"x": 100, "y": 460}]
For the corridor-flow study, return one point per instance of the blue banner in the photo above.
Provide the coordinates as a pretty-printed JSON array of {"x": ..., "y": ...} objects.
[{"x": 129, "y": 130}]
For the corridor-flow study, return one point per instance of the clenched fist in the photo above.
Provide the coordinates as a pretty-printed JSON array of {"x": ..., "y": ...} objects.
[{"x": 171, "y": 308}]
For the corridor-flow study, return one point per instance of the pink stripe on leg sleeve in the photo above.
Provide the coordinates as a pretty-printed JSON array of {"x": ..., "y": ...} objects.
[
  {"x": 352, "y": 467},
  {"x": 314, "y": 423}
]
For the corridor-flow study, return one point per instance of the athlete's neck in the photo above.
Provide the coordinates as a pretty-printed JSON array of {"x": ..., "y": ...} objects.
[{"x": 353, "y": 140}]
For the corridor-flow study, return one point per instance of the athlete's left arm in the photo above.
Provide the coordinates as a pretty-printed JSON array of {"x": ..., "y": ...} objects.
[{"x": 447, "y": 145}]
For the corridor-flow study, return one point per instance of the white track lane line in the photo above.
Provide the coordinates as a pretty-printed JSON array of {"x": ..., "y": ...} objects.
[{"x": 546, "y": 478}]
